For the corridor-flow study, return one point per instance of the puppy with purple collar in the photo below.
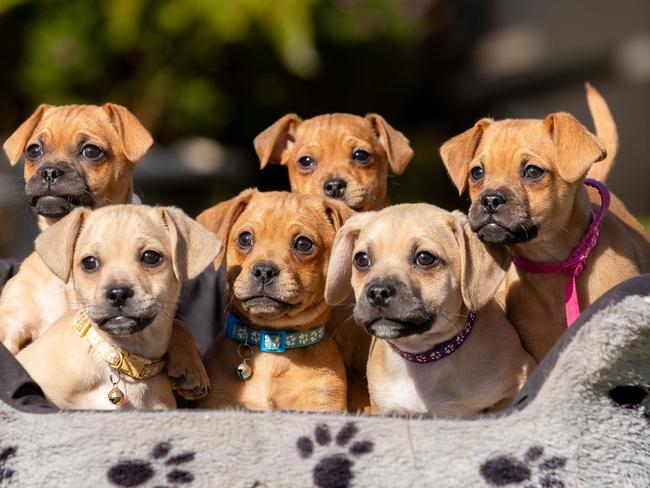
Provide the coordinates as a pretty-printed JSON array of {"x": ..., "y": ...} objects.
[{"x": 424, "y": 287}]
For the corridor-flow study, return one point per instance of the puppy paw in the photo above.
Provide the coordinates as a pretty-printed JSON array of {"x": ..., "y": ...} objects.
[{"x": 185, "y": 368}]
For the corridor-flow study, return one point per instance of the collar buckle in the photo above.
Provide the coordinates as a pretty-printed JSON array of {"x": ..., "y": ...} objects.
[{"x": 273, "y": 341}]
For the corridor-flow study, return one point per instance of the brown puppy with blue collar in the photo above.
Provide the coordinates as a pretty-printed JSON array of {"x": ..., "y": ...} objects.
[
  {"x": 277, "y": 248},
  {"x": 78, "y": 156},
  {"x": 526, "y": 179},
  {"x": 344, "y": 157},
  {"x": 418, "y": 272}
]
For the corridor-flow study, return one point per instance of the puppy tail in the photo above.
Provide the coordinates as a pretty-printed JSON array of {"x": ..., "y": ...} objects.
[{"x": 605, "y": 130}]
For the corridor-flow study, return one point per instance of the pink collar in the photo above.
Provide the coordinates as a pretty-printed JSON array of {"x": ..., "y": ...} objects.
[
  {"x": 575, "y": 263},
  {"x": 441, "y": 350}
]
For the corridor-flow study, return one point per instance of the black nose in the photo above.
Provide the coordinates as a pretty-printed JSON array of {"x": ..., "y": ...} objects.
[
  {"x": 50, "y": 175},
  {"x": 379, "y": 295},
  {"x": 492, "y": 201},
  {"x": 265, "y": 273},
  {"x": 334, "y": 188},
  {"x": 119, "y": 295}
]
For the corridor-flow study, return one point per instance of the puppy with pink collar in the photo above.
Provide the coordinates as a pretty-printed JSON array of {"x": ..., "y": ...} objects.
[{"x": 425, "y": 289}]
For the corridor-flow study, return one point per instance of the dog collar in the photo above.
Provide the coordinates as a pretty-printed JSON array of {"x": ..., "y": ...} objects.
[
  {"x": 575, "y": 263},
  {"x": 272, "y": 340},
  {"x": 136, "y": 367},
  {"x": 440, "y": 350}
]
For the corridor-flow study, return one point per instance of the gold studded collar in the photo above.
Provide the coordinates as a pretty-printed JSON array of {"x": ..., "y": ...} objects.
[{"x": 136, "y": 367}]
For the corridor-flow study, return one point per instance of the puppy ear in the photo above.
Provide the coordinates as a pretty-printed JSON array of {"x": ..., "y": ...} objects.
[
  {"x": 482, "y": 267},
  {"x": 136, "y": 140},
  {"x": 193, "y": 246},
  {"x": 15, "y": 145},
  {"x": 397, "y": 146},
  {"x": 337, "y": 212},
  {"x": 576, "y": 148},
  {"x": 220, "y": 218},
  {"x": 272, "y": 141},
  {"x": 55, "y": 245},
  {"x": 459, "y": 151},
  {"x": 338, "y": 285}
]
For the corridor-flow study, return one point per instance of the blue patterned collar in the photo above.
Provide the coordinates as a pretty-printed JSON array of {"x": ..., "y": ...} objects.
[{"x": 272, "y": 340}]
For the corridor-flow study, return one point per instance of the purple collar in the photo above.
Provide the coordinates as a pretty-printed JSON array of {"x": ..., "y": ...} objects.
[
  {"x": 441, "y": 350},
  {"x": 575, "y": 263}
]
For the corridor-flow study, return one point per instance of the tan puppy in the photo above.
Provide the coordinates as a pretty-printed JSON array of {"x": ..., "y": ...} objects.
[
  {"x": 417, "y": 271},
  {"x": 277, "y": 252},
  {"x": 127, "y": 263},
  {"x": 341, "y": 156},
  {"x": 525, "y": 179},
  {"x": 77, "y": 155}
]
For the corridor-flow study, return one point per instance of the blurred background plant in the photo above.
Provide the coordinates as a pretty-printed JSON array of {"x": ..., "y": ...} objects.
[{"x": 205, "y": 76}]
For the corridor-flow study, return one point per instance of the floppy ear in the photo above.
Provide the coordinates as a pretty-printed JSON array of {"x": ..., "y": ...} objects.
[
  {"x": 193, "y": 246},
  {"x": 220, "y": 218},
  {"x": 482, "y": 267},
  {"x": 272, "y": 141},
  {"x": 397, "y": 146},
  {"x": 338, "y": 285},
  {"x": 55, "y": 245},
  {"x": 15, "y": 145},
  {"x": 576, "y": 148},
  {"x": 337, "y": 212},
  {"x": 136, "y": 140},
  {"x": 459, "y": 151}
]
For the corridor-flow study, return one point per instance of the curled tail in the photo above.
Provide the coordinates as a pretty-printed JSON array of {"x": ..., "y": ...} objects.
[{"x": 605, "y": 130}]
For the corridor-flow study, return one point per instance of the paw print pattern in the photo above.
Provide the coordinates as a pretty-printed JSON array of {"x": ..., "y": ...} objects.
[
  {"x": 5, "y": 472},
  {"x": 137, "y": 472},
  {"x": 334, "y": 470},
  {"x": 507, "y": 470},
  {"x": 632, "y": 397}
]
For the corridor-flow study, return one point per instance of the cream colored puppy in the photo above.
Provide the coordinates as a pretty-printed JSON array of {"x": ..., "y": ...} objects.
[
  {"x": 425, "y": 287},
  {"x": 127, "y": 263}
]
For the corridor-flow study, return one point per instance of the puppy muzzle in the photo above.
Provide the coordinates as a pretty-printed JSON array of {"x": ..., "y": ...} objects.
[
  {"x": 390, "y": 309},
  {"x": 497, "y": 217},
  {"x": 56, "y": 189},
  {"x": 122, "y": 325}
]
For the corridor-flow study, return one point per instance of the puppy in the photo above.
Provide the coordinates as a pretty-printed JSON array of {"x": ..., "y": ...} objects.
[
  {"x": 526, "y": 180},
  {"x": 344, "y": 157},
  {"x": 77, "y": 155},
  {"x": 340, "y": 156},
  {"x": 127, "y": 263},
  {"x": 425, "y": 289},
  {"x": 277, "y": 248}
]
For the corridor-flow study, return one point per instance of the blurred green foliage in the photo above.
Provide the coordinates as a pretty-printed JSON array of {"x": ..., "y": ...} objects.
[{"x": 170, "y": 60}]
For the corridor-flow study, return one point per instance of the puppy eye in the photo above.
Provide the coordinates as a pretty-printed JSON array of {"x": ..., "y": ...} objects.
[
  {"x": 91, "y": 152},
  {"x": 307, "y": 162},
  {"x": 303, "y": 244},
  {"x": 477, "y": 173},
  {"x": 360, "y": 156},
  {"x": 90, "y": 264},
  {"x": 34, "y": 152},
  {"x": 362, "y": 260},
  {"x": 533, "y": 173},
  {"x": 151, "y": 258},
  {"x": 425, "y": 259},
  {"x": 245, "y": 240}
]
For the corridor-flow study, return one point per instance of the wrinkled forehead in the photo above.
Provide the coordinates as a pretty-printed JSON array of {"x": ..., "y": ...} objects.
[
  {"x": 515, "y": 138},
  {"x": 335, "y": 129},
  {"x": 403, "y": 232},
  {"x": 118, "y": 228},
  {"x": 63, "y": 124},
  {"x": 277, "y": 215}
]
